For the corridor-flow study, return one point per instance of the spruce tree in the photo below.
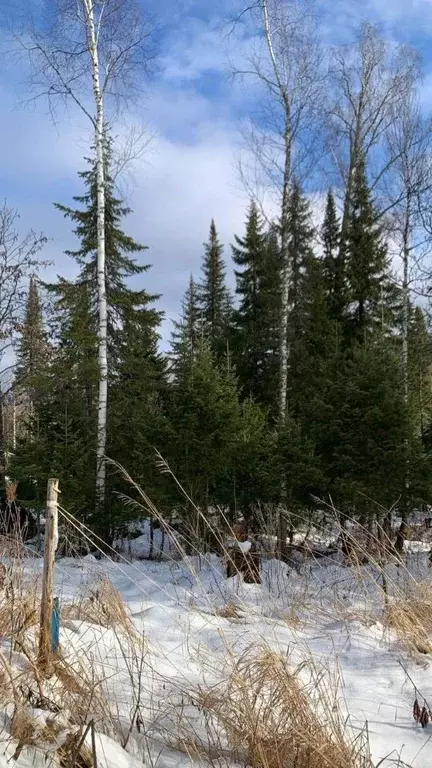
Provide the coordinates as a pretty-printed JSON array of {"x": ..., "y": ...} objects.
[
  {"x": 130, "y": 317},
  {"x": 219, "y": 446},
  {"x": 320, "y": 342},
  {"x": 188, "y": 331},
  {"x": 33, "y": 387},
  {"x": 214, "y": 295},
  {"x": 301, "y": 236},
  {"x": 138, "y": 420},
  {"x": 371, "y": 294},
  {"x": 32, "y": 352},
  {"x": 205, "y": 415},
  {"x": 255, "y": 322},
  {"x": 361, "y": 427},
  {"x": 120, "y": 264},
  {"x": 419, "y": 365},
  {"x": 333, "y": 262}
]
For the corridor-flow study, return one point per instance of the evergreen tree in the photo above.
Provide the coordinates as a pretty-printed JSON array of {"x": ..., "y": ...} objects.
[
  {"x": 132, "y": 339},
  {"x": 188, "y": 331},
  {"x": 120, "y": 265},
  {"x": 361, "y": 427},
  {"x": 333, "y": 262},
  {"x": 371, "y": 294},
  {"x": 138, "y": 421},
  {"x": 33, "y": 395},
  {"x": 205, "y": 415},
  {"x": 218, "y": 444},
  {"x": 296, "y": 458},
  {"x": 214, "y": 295},
  {"x": 419, "y": 366},
  {"x": 320, "y": 342},
  {"x": 32, "y": 352},
  {"x": 301, "y": 235},
  {"x": 255, "y": 322}
]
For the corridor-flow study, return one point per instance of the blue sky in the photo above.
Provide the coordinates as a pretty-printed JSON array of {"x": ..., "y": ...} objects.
[{"x": 192, "y": 109}]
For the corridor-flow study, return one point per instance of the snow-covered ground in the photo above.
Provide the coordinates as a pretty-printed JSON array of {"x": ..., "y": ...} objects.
[{"x": 328, "y": 612}]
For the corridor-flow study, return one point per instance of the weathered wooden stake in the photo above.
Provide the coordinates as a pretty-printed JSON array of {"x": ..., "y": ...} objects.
[{"x": 45, "y": 657}]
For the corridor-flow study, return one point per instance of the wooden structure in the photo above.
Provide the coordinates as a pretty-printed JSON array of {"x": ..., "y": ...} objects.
[{"x": 45, "y": 655}]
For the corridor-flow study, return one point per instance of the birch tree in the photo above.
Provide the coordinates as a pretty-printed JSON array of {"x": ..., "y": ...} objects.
[
  {"x": 287, "y": 66},
  {"x": 408, "y": 189},
  {"x": 369, "y": 81},
  {"x": 90, "y": 53},
  {"x": 409, "y": 142}
]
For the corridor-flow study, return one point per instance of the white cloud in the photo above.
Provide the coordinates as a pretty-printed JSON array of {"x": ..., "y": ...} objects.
[{"x": 178, "y": 192}]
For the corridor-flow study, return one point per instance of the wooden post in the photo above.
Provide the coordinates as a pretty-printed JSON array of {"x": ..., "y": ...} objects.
[{"x": 51, "y": 539}]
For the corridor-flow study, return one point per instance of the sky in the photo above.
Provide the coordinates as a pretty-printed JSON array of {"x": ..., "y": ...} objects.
[{"x": 192, "y": 111}]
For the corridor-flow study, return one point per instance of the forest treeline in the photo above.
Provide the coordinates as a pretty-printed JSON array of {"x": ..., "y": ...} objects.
[
  {"x": 211, "y": 406},
  {"x": 310, "y": 381}
]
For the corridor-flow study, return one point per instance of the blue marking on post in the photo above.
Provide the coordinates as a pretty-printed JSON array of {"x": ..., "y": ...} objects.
[{"x": 55, "y": 626}]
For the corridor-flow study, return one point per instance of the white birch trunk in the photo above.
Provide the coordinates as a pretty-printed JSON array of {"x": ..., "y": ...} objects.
[
  {"x": 285, "y": 284},
  {"x": 354, "y": 154},
  {"x": 286, "y": 269},
  {"x": 405, "y": 327},
  {"x": 102, "y": 299},
  {"x": 405, "y": 292},
  {"x": 13, "y": 422}
]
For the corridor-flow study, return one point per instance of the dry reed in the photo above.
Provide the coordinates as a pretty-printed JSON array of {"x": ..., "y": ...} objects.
[
  {"x": 272, "y": 719},
  {"x": 410, "y": 617}
]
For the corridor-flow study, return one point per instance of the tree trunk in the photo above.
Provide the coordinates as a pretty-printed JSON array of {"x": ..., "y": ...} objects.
[
  {"x": 284, "y": 346},
  {"x": 2, "y": 447},
  {"x": 102, "y": 299},
  {"x": 355, "y": 149},
  {"x": 405, "y": 327},
  {"x": 285, "y": 282}
]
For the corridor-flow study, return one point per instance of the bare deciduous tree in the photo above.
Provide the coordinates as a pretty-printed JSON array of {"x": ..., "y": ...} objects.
[
  {"x": 282, "y": 138},
  {"x": 408, "y": 188},
  {"x": 406, "y": 199},
  {"x": 288, "y": 69},
  {"x": 369, "y": 82},
  {"x": 18, "y": 261},
  {"x": 90, "y": 52}
]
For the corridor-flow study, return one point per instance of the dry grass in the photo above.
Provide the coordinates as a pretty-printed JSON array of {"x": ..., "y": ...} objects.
[
  {"x": 410, "y": 617},
  {"x": 19, "y": 606},
  {"x": 81, "y": 692},
  {"x": 230, "y": 611},
  {"x": 75, "y": 753},
  {"x": 23, "y": 729},
  {"x": 271, "y": 719},
  {"x": 101, "y": 605},
  {"x": 262, "y": 714}
]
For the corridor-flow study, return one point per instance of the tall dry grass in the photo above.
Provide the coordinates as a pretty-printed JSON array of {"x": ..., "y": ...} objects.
[
  {"x": 265, "y": 710},
  {"x": 266, "y": 715}
]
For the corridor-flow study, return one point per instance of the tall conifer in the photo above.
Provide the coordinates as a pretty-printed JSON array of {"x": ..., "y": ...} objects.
[
  {"x": 333, "y": 262},
  {"x": 371, "y": 294},
  {"x": 255, "y": 322},
  {"x": 214, "y": 295}
]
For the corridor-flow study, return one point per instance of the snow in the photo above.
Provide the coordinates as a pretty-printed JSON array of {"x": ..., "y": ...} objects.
[
  {"x": 322, "y": 611},
  {"x": 137, "y": 544}
]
